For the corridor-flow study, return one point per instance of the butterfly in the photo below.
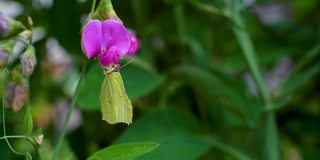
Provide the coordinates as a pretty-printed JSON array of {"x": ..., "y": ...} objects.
[{"x": 116, "y": 106}]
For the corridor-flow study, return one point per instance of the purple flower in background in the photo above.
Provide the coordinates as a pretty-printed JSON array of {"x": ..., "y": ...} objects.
[
  {"x": 9, "y": 95},
  {"x": 3, "y": 58},
  {"x": 108, "y": 40},
  {"x": 28, "y": 61},
  {"x": 134, "y": 45},
  {"x": 16, "y": 96},
  {"x": 27, "y": 65},
  {"x": 3, "y": 24},
  {"x": 274, "y": 13}
]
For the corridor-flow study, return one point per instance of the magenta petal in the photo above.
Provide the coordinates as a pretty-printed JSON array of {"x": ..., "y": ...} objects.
[
  {"x": 115, "y": 34},
  {"x": 115, "y": 59},
  {"x": 108, "y": 57},
  {"x": 134, "y": 45},
  {"x": 92, "y": 38}
]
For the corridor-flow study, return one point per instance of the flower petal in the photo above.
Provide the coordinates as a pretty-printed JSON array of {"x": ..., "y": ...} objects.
[
  {"x": 134, "y": 45},
  {"x": 115, "y": 34},
  {"x": 109, "y": 57},
  {"x": 115, "y": 59},
  {"x": 92, "y": 38},
  {"x": 4, "y": 26}
]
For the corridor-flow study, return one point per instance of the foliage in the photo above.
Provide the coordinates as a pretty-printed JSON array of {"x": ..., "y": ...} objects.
[
  {"x": 131, "y": 150},
  {"x": 192, "y": 83}
]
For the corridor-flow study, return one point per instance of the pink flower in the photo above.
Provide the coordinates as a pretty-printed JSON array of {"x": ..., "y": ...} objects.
[
  {"x": 134, "y": 45},
  {"x": 108, "y": 40}
]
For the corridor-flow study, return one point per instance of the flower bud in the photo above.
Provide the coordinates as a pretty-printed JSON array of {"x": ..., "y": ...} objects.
[
  {"x": 4, "y": 56},
  {"x": 9, "y": 94},
  {"x": 21, "y": 93},
  {"x": 4, "y": 26},
  {"x": 105, "y": 11},
  {"x": 9, "y": 27},
  {"x": 39, "y": 139},
  {"x": 5, "y": 51},
  {"x": 16, "y": 96},
  {"x": 28, "y": 61}
]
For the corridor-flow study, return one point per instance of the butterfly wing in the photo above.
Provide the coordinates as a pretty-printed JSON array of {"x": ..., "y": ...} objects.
[{"x": 116, "y": 107}]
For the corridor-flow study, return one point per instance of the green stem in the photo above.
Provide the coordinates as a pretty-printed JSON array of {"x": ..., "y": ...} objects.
[
  {"x": 207, "y": 8},
  {"x": 104, "y": 11},
  {"x": 92, "y": 8},
  {"x": 307, "y": 59},
  {"x": 271, "y": 139},
  {"x": 179, "y": 16},
  {"x": 271, "y": 136},
  {"x": 29, "y": 139},
  {"x": 74, "y": 99},
  {"x": 249, "y": 54},
  {"x": 70, "y": 110},
  {"x": 228, "y": 149},
  {"x": 17, "y": 136},
  {"x": 5, "y": 71}
]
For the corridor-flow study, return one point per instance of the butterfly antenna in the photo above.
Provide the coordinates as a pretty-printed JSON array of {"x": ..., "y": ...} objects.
[{"x": 127, "y": 63}]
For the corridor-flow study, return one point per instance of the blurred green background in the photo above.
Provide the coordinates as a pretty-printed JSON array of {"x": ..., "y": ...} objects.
[{"x": 190, "y": 84}]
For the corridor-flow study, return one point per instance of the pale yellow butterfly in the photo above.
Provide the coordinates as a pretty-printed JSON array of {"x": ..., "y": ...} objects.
[{"x": 116, "y": 107}]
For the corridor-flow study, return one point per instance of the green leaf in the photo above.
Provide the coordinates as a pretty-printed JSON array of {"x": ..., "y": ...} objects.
[
  {"x": 299, "y": 79},
  {"x": 224, "y": 89},
  {"x": 271, "y": 138},
  {"x": 201, "y": 42},
  {"x": 27, "y": 123},
  {"x": 176, "y": 130},
  {"x": 125, "y": 151},
  {"x": 90, "y": 90},
  {"x": 139, "y": 82},
  {"x": 307, "y": 59},
  {"x": 228, "y": 149}
]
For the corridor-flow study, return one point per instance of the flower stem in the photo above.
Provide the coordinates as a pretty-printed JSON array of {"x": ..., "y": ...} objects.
[
  {"x": 228, "y": 149},
  {"x": 17, "y": 136},
  {"x": 70, "y": 110},
  {"x": 4, "y": 72},
  {"x": 207, "y": 8},
  {"x": 271, "y": 136},
  {"x": 179, "y": 17},
  {"x": 92, "y": 7}
]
